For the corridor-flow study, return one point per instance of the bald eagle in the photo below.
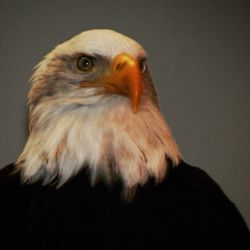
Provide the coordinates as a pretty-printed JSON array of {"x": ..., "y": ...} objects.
[{"x": 100, "y": 168}]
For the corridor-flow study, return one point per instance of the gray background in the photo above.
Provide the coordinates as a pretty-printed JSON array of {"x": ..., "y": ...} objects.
[{"x": 199, "y": 59}]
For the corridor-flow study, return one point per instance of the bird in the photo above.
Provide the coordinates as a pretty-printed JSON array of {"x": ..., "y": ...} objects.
[{"x": 100, "y": 168}]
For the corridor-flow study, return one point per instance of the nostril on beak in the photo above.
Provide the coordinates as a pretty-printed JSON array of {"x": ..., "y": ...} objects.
[{"x": 120, "y": 66}]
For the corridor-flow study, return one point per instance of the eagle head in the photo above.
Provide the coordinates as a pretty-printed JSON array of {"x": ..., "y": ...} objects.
[{"x": 93, "y": 105}]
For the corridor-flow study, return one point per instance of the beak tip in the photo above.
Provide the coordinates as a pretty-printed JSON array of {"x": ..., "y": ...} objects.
[
  {"x": 134, "y": 110},
  {"x": 134, "y": 107}
]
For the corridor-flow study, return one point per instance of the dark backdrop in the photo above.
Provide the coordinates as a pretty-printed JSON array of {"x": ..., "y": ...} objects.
[{"x": 199, "y": 58}]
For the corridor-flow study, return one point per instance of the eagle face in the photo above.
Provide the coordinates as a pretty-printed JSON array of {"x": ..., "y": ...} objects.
[
  {"x": 93, "y": 104},
  {"x": 89, "y": 67}
]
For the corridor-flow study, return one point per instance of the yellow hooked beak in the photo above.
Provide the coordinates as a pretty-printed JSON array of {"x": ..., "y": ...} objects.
[{"x": 125, "y": 79}]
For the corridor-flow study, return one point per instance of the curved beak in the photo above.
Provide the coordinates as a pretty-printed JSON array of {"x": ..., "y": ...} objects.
[{"x": 125, "y": 79}]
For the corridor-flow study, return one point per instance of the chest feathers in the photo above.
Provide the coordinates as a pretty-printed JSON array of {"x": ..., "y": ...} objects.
[{"x": 109, "y": 139}]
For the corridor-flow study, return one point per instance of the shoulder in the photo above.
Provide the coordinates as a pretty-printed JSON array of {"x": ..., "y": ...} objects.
[
  {"x": 9, "y": 177},
  {"x": 194, "y": 185},
  {"x": 188, "y": 180},
  {"x": 203, "y": 200},
  {"x": 192, "y": 177}
]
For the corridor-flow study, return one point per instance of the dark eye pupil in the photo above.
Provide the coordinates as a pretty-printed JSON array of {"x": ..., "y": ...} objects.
[
  {"x": 143, "y": 65},
  {"x": 85, "y": 63}
]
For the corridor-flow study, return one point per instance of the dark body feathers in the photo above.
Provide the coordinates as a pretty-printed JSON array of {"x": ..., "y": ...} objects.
[{"x": 186, "y": 211}]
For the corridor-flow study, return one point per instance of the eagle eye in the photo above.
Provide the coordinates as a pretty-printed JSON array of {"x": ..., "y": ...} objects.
[
  {"x": 85, "y": 63},
  {"x": 143, "y": 65}
]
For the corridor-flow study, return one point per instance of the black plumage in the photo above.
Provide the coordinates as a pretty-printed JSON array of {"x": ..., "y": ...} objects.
[{"x": 188, "y": 210}]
